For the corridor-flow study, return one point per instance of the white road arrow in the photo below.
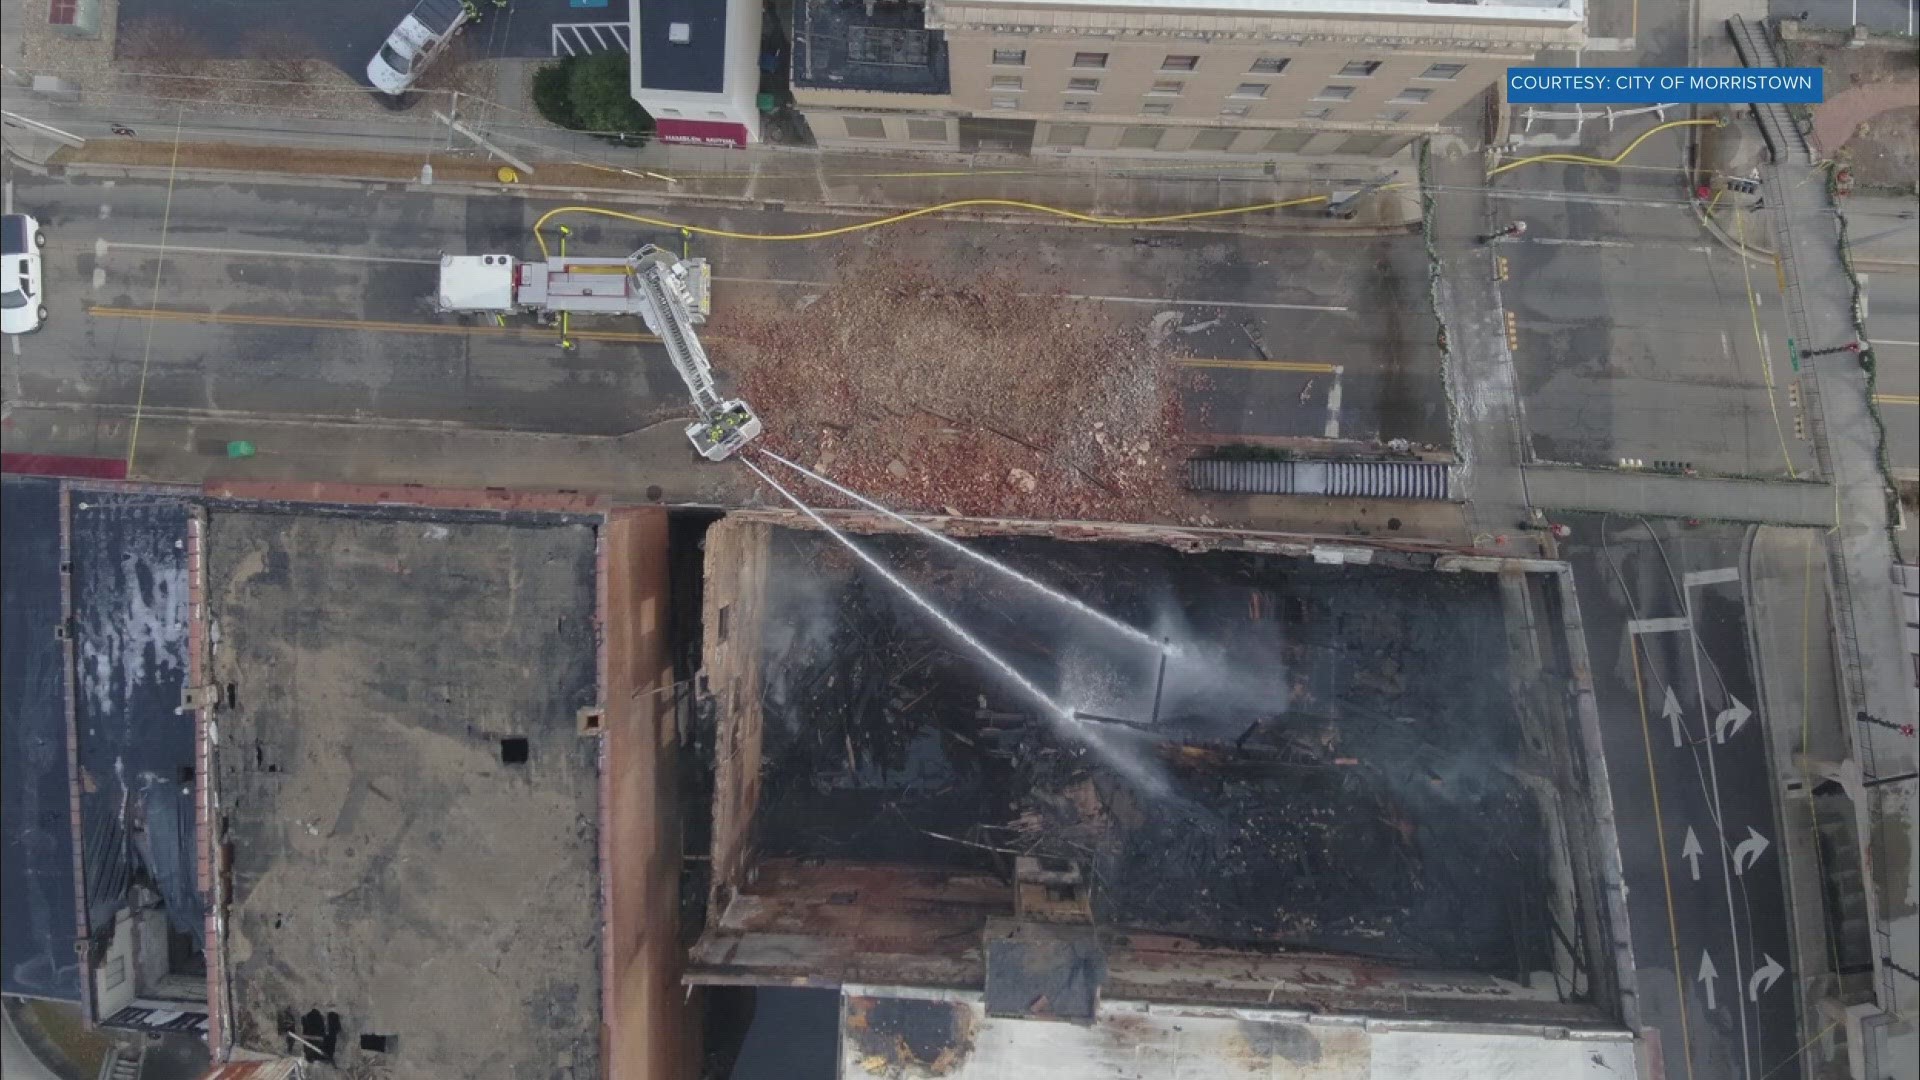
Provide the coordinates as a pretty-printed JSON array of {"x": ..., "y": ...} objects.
[
  {"x": 1747, "y": 852},
  {"x": 1731, "y": 719},
  {"x": 1764, "y": 977},
  {"x": 1707, "y": 975},
  {"x": 1671, "y": 710},
  {"x": 1691, "y": 852}
]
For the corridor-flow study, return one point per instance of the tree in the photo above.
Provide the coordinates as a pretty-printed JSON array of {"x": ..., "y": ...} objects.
[{"x": 590, "y": 93}]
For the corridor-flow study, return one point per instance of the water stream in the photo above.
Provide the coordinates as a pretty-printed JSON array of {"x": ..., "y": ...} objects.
[
  {"x": 1053, "y": 709},
  {"x": 989, "y": 561}
]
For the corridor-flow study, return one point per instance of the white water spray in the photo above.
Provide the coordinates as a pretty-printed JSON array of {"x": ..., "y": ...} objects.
[
  {"x": 985, "y": 560},
  {"x": 1053, "y": 708}
]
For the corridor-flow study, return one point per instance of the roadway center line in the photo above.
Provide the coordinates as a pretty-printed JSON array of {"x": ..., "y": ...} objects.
[
  {"x": 257, "y": 253},
  {"x": 352, "y": 325},
  {"x": 1332, "y": 308}
]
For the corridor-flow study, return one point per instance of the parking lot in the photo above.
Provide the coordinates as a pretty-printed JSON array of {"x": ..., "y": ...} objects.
[{"x": 352, "y": 30}]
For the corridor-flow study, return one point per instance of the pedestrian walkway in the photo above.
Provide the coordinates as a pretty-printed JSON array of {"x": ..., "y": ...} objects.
[
  {"x": 1480, "y": 375},
  {"x": 1876, "y": 676},
  {"x": 1772, "y": 502}
]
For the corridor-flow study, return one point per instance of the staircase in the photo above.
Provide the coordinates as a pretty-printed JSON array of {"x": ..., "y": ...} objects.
[
  {"x": 1782, "y": 133},
  {"x": 122, "y": 1064}
]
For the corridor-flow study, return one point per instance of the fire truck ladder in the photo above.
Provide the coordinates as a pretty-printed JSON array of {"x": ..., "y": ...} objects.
[{"x": 724, "y": 425}]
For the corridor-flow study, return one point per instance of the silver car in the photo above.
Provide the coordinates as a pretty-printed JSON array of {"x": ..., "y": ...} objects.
[{"x": 22, "y": 308}]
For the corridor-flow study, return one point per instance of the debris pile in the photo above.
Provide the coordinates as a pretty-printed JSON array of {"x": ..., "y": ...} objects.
[
  {"x": 1356, "y": 793},
  {"x": 974, "y": 393}
]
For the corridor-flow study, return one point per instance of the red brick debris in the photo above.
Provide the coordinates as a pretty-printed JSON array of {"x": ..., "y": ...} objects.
[{"x": 979, "y": 392}]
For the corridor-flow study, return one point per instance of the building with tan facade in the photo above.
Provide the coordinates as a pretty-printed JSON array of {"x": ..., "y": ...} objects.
[{"x": 1187, "y": 78}]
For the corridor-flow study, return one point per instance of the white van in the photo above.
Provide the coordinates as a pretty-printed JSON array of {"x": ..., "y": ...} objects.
[{"x": 414, "y": 43}]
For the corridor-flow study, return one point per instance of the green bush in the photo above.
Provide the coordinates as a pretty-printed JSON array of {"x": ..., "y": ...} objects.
[{"x": 590, "y": 93}]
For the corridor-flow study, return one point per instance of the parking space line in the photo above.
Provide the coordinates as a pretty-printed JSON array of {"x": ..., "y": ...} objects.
[
  {"x": 1307, "y": 366},
  {"x": 354, "y": 325}
]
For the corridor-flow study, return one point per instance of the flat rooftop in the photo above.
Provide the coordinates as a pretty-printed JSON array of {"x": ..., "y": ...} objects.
[
  {"x": 1344, "y": 760},
  {"x": 855, "y": 45},
  {"x": 410, "y": 811}
]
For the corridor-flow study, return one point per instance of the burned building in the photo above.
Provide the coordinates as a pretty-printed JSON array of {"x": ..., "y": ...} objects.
[{"x": 1329, "y": 783}]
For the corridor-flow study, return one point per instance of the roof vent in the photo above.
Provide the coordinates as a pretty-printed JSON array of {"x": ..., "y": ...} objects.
[{"x": 680, "y": 33}]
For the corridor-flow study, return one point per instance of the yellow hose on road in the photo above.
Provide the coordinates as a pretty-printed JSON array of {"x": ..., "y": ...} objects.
[
  {"x": 908, "y": 215},
  {"x": 1582, "y": 159},
  {"x": 1056, "y": 211}
]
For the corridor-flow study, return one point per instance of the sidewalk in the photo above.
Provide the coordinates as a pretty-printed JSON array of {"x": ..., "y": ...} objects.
[
  {"x": 1480, "y": 374},
  {"x": 1876, "y": 675},
  {"x": 1773, "y": 502},
  {"x": 655, "y": 465}
]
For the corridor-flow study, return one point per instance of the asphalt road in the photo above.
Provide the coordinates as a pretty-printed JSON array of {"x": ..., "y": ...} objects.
[
  {"x": 1664, "y": 614},
  {"x": 1893, "y": 322},
  {"x": 337, "y": 284},
  {"x": 353, "y": 29},
  {"x": 1636, "y": 337}
]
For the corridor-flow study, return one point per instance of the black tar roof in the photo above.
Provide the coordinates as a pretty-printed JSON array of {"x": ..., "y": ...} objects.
[
  {"x": 36, "y": 888},
  {"x": 698, "y": 66},
  {"x": 837, "y": 45}
]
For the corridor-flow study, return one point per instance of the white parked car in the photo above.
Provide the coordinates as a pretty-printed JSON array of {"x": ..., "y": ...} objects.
[
  {"x": 22, "y": 308},
  {"x": 414, "y": 43}
]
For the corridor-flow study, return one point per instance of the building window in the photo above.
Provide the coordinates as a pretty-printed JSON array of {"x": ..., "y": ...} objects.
[
  {"x": 1180, "y": 63},
  {"x": 1359, "y": 69},
  {"x": 1010, "y": 57},
  {"x": 1067, "y": 134},
  {"x": 1167, "y": 88},
  {"x": 1157, "y": 108},
  {"x": 1142, "y": 138},
  {"x": 1076, "y": 106},
  {"x": 866, "y": 127},
  {"x": 1316, "y": 114},
  {"x": 1089, "y": 59},
  {"x": 1250, "y": 90},
  {"x": 1268, "y": 65},
  {"x": 927, "y": 130},
  {"x": 1005, "y": 102},
  {"x": 1237, "y": 110},
  {"x": 1334, "y": 93},
  {"x": 1083, "y": 86},
  {"x": 1288, "y": 142},
  {"x": 1443, "y": 71},
  {"x": 1007, "y": 82},
  {"x": 1412, "y": 95},
  {"x": 1394, "y": 116},
  {"x": 1215, "y": 138}
]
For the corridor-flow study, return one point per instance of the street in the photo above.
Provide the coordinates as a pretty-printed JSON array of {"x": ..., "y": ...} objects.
[
  {"x": 326, "y": 296},
  {"x": 1638, "y": 336},
  {"x": 1684, "y": 731}
]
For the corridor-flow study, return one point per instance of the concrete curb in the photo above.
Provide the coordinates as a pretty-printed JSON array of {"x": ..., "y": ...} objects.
[{"x": 719, "y": 202}]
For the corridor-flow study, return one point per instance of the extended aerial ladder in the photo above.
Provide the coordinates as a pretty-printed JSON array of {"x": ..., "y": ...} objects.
[
  {"x": 673, "y": 296},
  {"x": 667, "y": 303}
]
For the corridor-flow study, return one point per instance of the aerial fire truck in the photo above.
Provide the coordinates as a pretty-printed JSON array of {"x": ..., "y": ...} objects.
[{"x": 672, "y": 295}]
